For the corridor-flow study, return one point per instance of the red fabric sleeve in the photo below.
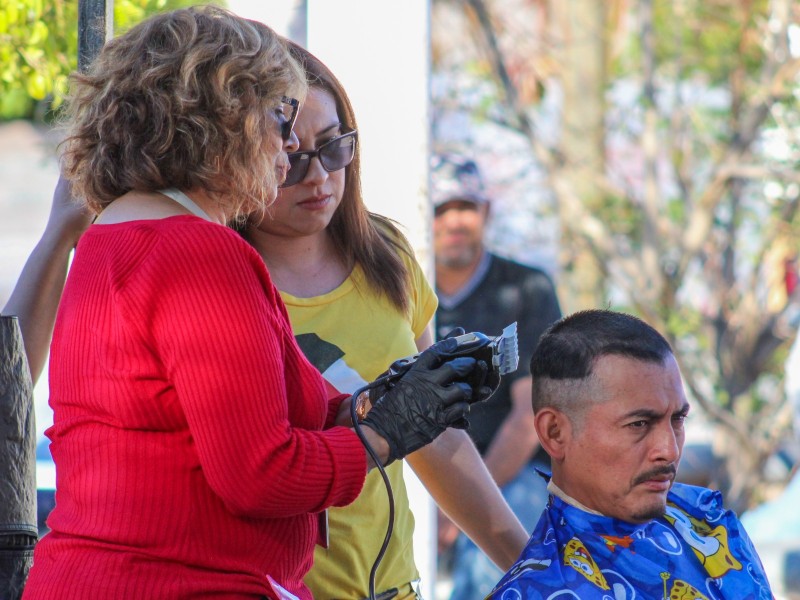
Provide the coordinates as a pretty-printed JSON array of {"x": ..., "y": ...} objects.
[{"x": 255, "y": 408}]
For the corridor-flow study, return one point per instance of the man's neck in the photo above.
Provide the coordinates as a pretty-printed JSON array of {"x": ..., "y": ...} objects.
[
  {"x": 558, "y": 492},
  {"x": 451, "y": 280}
]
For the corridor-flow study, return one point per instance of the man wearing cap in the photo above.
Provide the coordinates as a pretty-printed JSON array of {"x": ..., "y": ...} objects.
[{"x": 481, "y": 291}]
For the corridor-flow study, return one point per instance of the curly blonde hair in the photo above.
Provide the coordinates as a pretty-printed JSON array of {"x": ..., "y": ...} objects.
[{"x": 185, "y": 99}]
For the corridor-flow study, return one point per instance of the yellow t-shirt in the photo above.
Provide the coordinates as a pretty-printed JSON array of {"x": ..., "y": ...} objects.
[{"x": 352, "y": 335}]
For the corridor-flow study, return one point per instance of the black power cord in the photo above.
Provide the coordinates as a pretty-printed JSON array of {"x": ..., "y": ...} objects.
[{"x": 379, "y": 464}]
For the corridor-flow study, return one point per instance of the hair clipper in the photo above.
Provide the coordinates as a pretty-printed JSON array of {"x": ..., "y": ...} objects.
[{"x": 501, "y": 353}]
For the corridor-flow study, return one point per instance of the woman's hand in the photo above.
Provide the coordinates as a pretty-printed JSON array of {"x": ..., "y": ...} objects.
[
  {"x": 430, "y": 397},
  {"x": 379, "y": 446},
  {"x": 68, "y": 218}
]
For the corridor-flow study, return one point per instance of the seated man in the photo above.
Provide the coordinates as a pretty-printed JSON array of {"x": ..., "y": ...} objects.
[{"x": 610, "y": 410}]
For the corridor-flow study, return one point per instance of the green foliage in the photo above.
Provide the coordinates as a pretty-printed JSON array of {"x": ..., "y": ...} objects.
[
  {"x": 39, "y": 48},
  {"x": 706, "y": 38},
  {"x": 684, "y": 322},
  {"x": 676, "y": 210},
  {"x": 621, "y": 214}
]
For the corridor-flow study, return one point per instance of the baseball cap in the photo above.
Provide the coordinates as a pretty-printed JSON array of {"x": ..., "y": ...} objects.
[{"x": 456, "y": 177}]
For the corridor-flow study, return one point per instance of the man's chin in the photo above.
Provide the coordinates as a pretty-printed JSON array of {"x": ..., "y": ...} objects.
[
  {"x": 453, "y": 261},
  {"x": 650, "y": 510}
]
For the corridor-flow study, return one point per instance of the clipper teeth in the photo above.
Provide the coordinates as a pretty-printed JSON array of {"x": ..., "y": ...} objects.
[{"x": 508, "y": 350}]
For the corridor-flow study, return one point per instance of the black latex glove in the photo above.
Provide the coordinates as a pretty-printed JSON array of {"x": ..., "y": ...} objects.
[
  {"x": 377, "y": 392},
  {"x": 455, "y": 333},
  {"x": 430, "y": 397},
  {"x": 484, "y": 381}
]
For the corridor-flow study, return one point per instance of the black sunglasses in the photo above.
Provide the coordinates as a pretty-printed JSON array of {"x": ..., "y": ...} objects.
[
  {"x": 288, "y": 124},
  {"x": 333, "y": 155}
]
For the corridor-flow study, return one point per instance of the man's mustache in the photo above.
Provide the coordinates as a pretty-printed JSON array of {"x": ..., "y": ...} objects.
[{"x": 670, "y": 470}]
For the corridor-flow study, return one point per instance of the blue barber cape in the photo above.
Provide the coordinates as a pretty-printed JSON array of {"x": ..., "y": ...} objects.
[{"x": 696, "y": 551}]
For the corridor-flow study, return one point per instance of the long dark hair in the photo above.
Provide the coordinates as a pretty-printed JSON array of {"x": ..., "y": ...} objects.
[{"x": 362, "y": 237}]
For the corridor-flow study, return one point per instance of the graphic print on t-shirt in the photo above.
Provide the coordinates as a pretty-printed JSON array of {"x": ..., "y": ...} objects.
[{"x": 329, "y": 360}]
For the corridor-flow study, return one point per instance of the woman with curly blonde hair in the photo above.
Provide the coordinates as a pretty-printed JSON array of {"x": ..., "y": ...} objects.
[
  {"x": 186, "y": 100},
  {"x": 193, "y": 442}
]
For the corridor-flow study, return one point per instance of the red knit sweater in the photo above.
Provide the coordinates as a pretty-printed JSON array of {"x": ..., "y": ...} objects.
[{"x": 188, "y": 427}]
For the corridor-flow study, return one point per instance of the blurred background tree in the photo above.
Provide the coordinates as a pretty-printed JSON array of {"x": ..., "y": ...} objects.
[
  {"x": 39, "y": 48},
  {"x": 664, "y": 142}
]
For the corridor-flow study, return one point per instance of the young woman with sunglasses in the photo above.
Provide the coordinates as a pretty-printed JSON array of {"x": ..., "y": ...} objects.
[
  {"x": 194, "y": 444},
  {"x": 358, "y": 300}
]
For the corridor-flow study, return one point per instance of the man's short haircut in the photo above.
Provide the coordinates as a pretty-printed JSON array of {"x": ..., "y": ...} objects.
[{"x": 567, "y": 352}]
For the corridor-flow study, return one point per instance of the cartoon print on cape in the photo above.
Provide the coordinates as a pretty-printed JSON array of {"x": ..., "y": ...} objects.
[{"x": 696, "y": 551}]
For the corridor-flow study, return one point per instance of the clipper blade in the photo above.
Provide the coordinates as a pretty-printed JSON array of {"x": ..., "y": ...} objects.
[{"x": 506, "y": 358}]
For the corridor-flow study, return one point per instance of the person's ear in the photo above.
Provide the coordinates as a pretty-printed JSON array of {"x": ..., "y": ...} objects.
[{"x": 554, "y": 430}]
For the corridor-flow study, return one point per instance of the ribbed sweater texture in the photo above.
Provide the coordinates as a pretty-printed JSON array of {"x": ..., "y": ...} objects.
[{"x": 191, "y": 437}]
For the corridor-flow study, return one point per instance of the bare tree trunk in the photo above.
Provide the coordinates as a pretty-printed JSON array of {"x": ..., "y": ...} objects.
[
  {"x": 580, "y": 49},
  {"x": 18, "y": 530},
  {"x": 651, "y": 200}
]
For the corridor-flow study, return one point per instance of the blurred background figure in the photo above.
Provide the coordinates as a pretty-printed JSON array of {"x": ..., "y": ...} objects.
[{"x": 481, "y": 291}]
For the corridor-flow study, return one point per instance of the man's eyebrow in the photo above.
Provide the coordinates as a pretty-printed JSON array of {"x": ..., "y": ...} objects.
[
  {"x": 683, "y": 411},
  {"x": 641, "y": 413},
  {"x": 647, "y": 413}
]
